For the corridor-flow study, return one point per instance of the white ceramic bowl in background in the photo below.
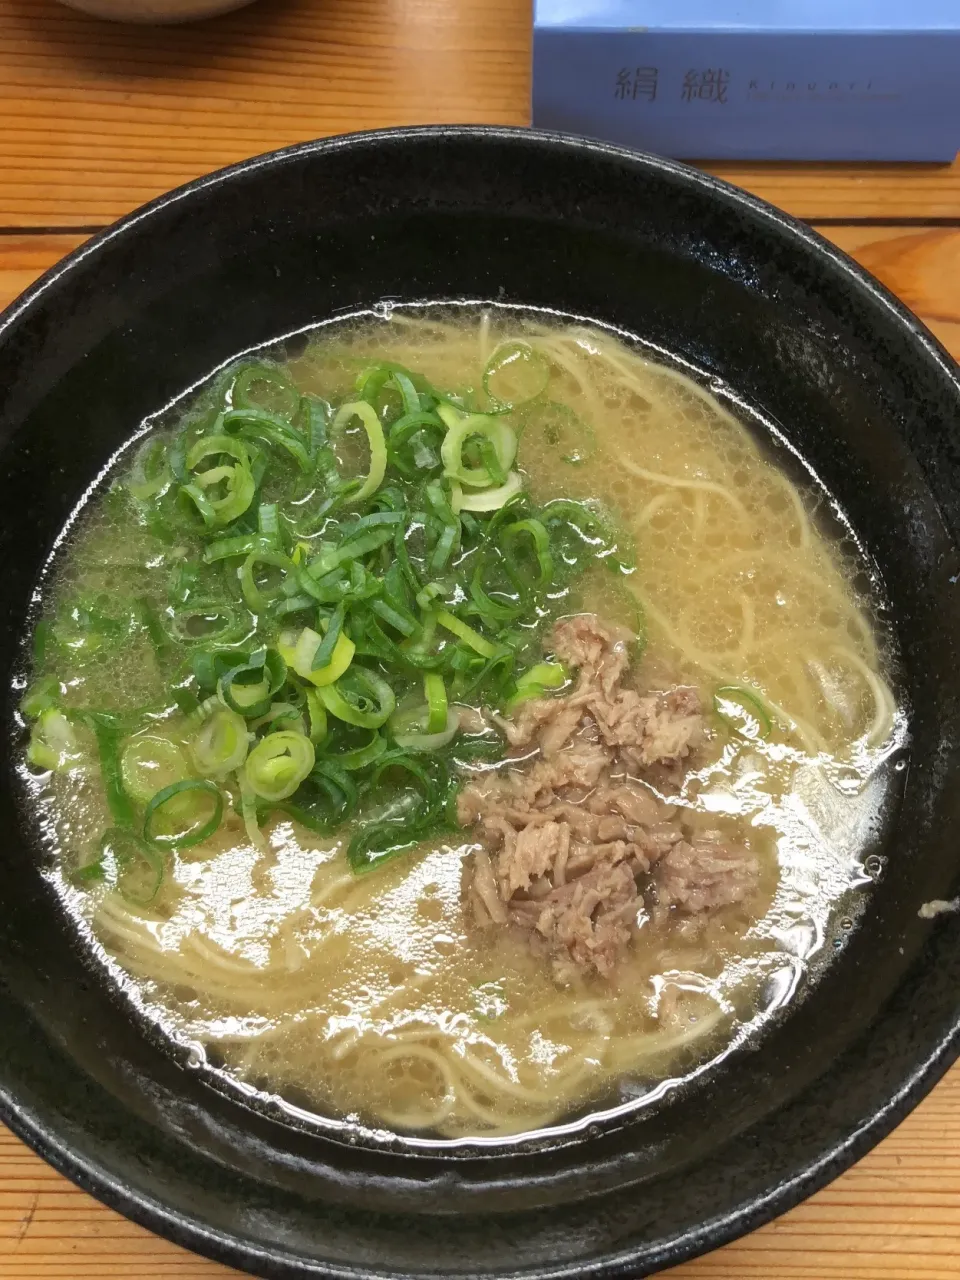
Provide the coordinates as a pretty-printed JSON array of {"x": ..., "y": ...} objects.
[{"x": 156, "y": 10}]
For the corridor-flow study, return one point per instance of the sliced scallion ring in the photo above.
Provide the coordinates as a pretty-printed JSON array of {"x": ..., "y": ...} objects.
[
  {"x": 281, "y": 715},
  {"x": 259, "y": 385},
  {"x": 271, "y": 430},
  {"x": 512, "y": 537},
  {"x": 460, "y": 430},
  {"x": 325, "y": 800},
  {"x": 487, "y": 499},
  {"x": 237, "y": 479},
  {"x": 221, "y": 744},
  {"x": 139, "y": 865},
  {"x": 53, "y": 743},
  {"x": 248, "y": 688},
  {"x": 260, "y": 598},
  {"x": 210, "y": 622},
  {"x": 318, "y": 716},
  {"x": 535, "y": 682},
  {"x": 515, "y": 374},
  {"x": 378, "y": 447},
  {"x": 300, "y": 650},
  {"x": 743, "y": 711},
  {"x": 360, "y": 697},
  {"x": 150, "y": 762},
  {"x": 360, "y": 757},
  {"x": 436, "y": 695},
  {"x": 420, "y": 740},
  {"x": 248, "y": 811},
  {"x": 278, "y": 764},
  {"x": 480, "y": 644},
  {"x": 200, "y": 829},
  {"x": 151, "y": 470}
]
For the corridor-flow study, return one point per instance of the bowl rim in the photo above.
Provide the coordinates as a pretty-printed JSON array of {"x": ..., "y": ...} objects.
[{"x": 48, "y": 1138}]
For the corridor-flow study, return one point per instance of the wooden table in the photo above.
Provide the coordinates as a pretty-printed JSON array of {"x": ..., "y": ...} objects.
[{"x": 96, "y": 118}]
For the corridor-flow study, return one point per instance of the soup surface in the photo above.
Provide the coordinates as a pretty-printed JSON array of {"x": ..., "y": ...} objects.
[{"x": 460, "y": 725}]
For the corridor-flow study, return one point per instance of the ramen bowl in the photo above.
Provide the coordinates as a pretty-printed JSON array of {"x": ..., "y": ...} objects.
[
  {"x": 156, "y": 11},
  {"x": 745, "y": 295}
]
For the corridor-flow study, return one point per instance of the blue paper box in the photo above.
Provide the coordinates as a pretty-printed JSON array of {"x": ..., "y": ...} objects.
[{"x": 753, "y": 79}]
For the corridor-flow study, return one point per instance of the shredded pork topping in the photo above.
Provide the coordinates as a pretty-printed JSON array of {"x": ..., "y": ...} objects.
[{"x": 568, "y": 837}]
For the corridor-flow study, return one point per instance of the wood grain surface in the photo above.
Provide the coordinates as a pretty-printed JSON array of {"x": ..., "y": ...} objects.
[
  {"x": 100, "y": 117},
  {"x": 97, "y": 118}
]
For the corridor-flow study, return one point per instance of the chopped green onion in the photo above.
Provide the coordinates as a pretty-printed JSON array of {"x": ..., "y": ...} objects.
[
  {"x": 474, "y": 639},
  {"x": 410, "y": 449},
  {"x": 495, "y": 674},
  {"x": 268, "y": 522},
  {"x": 408, "y": 393},
  {"x": 43, "y": 695},
  {"x": 224, "y": 548},
  {"x": 535, "y": 682},
  {"x": 332, "y": 629},
  {"x": 325, "y": 800},
  {"x": 318, "y": 716},
  {"x": 487, "y": 499},
  {"x": 248, "y": 811},
  {"x": 139, "y": 865},
  {"x": 461, "y": 429},
  {"x": 435, "y": 532},
  {"x": 378, "y": 448},
  {"x": 281, "y": 715},
  {"x": 151, "y": 471},
  {"x": 405, "y": 623},
  {"x": 322, "y": 565},
  {"x": 150, "y": 762},
  {"x": 579, "y": 535},
  {"x": 271, "y": 430},
  {"x": 207, "y": 621},
  {"x": 295, "y": 604},
  {"x": 418, "y": 739},
  {"x": 386, "y": 838},
  {"x": 360, "y": 757},
  {"x": 108, "y": 733},
  {"x": 299, "y": 652},
  {"x": 360, "y": 697},
  {"x": 549, "y": 675},
  {"x": 221, "y": 744},
  {"x": 510, "y": 537},
  {"x": 436, "y": 696},
  {"x": 200, "y": 829},
  {"x": 249, "y": 687},
  {"x": 278, "y": 764},
  {"x": 515, "y": 374},
  {"x": 237, "y": 480},
  {"x": 257, "y": 597},
  {"x": 375, "y": 520},
  {"x": 506, "y": 607},
  {"x": 743, "y": 711},
  {"x": 152, "y": 626},
  {"x": 265, "y": 386},
  {"x": 53, "y": 743},
  {"x": 432, "y": 591}
]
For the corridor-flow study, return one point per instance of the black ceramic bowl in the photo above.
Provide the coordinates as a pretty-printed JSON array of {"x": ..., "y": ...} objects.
[{"x": 851, "y": 379}]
